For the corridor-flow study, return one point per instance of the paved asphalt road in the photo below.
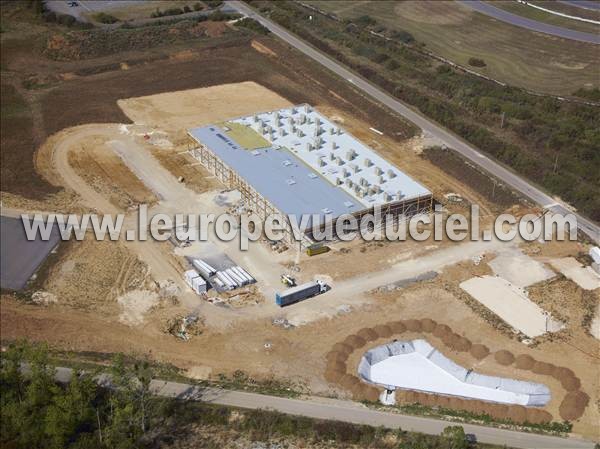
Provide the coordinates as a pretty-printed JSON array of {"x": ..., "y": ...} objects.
[
  {"x": 508, "y": 177},
  {"x": 585, "y": 4},
  {"x": 347, "y": 411},
  {"x": 533, "y": 25}
]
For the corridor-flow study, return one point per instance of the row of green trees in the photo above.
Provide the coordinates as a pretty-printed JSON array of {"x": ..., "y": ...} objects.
[
  {"x": 38, "y": 412},
  {"x": 554, "y": 143}
]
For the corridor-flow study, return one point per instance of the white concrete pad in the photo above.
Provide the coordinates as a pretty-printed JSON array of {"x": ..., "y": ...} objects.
[
  {"x": 585, "y": 277},
  {"x": 511, "y": 304},
  {"x": 519, "y": 269}
]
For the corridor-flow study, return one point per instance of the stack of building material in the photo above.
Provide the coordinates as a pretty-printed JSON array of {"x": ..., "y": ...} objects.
[
  {"x": 234, "y": 277},
  {"x": 195, "y": 281},
  {"x": 205, "y": 270}
]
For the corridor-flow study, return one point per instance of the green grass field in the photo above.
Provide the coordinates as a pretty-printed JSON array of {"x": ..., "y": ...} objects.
[
  {"x": 512, "y": 55},
  {"x": 245, "y": 136},
  {"x": 545, "y": 17}
]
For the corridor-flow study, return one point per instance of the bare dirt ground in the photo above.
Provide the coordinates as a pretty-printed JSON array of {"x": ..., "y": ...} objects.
[
  {"x": 175, "y": 112},
  {"x": 106, "y": 172}
]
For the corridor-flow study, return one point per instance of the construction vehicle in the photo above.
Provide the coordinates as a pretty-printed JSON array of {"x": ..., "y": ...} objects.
[
  {"x": 286, "y": 279},
  {"x": 300, "y": 293},
  {"x": 313, "y": 250}
]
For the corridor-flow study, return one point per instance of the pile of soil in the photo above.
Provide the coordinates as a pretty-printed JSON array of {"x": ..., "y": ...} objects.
[
  {"x": 368, "y": 334},
  {"x": 504, "y": 357},
  {"x": 355, "y": 342},
  {"x": 383, "y": 331},
  {"x": 398, "y": 327},
  {"x": 343, "y": 348},
  {"x": 413, "y": 325},
  {"x": 573, "y": 405},
  {"x": 428, "y": 325},
  {"x": 479, "y": 351},
  {"x": 543, "y": 368},
  {"x": 517, "y": 413},
  {"x": 334, "y": 356},
  {"x": 441, "y": 330},
  {"x": 524, "y": 361},
  {"x": 567, "y": 378}
]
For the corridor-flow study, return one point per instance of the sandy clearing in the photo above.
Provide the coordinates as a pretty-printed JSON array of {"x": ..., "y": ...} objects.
[
  {"x": 177, "y": 111},
  {"x": 585, "y": 277},
  {"x": 511, "y": 304},
  {"x": 135, "y": 305}
]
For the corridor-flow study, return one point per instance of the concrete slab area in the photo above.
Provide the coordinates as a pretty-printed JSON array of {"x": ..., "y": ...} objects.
[
  {"x": 583, "y": 276},
  {"x": 519, "y": 269},
  {"x": 20, "y": 258},
  {"x": 511, "y": 304}
]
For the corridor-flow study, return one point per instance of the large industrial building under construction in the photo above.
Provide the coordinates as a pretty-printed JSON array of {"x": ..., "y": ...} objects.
[{"x": 294, "y": 161}]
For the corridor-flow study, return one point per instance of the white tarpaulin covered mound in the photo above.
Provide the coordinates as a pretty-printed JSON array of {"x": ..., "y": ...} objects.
[{"x": 416, "y": 365}]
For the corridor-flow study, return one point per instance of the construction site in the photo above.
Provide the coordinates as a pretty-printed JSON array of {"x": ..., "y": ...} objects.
[{"x": 508, "y": 330}]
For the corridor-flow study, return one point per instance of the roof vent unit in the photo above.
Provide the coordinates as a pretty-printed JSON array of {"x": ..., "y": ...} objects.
[
  {"x": 387, "y": 197},
  {"x": 322, "y": 162},
  {"x": 261, "y": 123},
  {"x": 338, "y": 181},
  {"x": 380, "y": 180},
  {"x": 378, "y": 170},
  {"x": 355, "y": 168},
  {"x": 391, "y": 173},
  {"x": 367, "y": 162},
  {"x": 269, "y": 128},
  {"x": 316, "y": 132},
  {"x": 333, "y": 146},
  {"x": 339, "y": 161},
  {"x": 302, "y": 119},
  {"x": 339, "y": 131},
  {"x": 299, "y": 132},
  {"x": 332, "y": 131},
  {"x": 292, "y": 129},
  {"x": 276, "y": 115},
  {"x": 345, "y": 172},
  {"x": 331, "y": 156},
  {"x": 290, "y": 182},
  {"x": 350, "y": 154},
  {"x": 293, "y": 111},
  {"x": 290, "y": 120},
  {"x": 361, "y": 194},
  {"x": 317, "y": 121},
  {"x": 399, "y": 195},
  {"x": 312, "y": 176},
  {"x": 363, "y": 182},
  {"x": 306, "y": 108},
  {"x": 255, "y": 118},
  {"x": 281, "y": 132},
  {"x": 349, "y": 183}
]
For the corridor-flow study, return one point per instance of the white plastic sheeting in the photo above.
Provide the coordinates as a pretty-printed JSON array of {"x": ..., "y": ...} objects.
[{"x": 416, "y": 365}]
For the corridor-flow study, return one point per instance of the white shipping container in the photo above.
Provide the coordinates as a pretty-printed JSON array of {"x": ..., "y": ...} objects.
[
  {"x": 595, "y": 254},
  {"x": 199, "y": 285},
  {"x": 252, "y": 280},
  {"x": 240, "y": 274},
  {"x": 224, "y": 279},
  {"x": 189, "y": 275},
  {"x": 235, "y": 277}
]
